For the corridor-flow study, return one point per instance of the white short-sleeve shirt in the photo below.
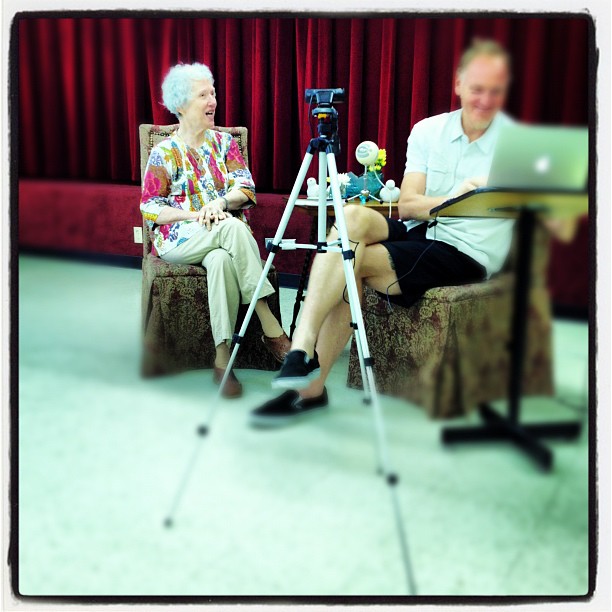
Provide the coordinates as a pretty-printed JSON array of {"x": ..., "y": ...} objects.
[{"x": 438, "y": 148}]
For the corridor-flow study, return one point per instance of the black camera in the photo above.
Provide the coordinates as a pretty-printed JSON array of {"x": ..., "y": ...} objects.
[
  {"x": 326, "y": 115},
  {"x": 324, "y": 97}
]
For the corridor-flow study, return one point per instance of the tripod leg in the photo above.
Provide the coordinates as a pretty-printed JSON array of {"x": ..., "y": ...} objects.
[
  {"x": 273, "y": 248},
  {"x": 367, "y": 397},
  {"x": 322, "y": 216},
  {"x": 357, "y": 316},
  {"x": 169, "y": 520},
  {"x": 364, "y": 376},
  {"x": 204, "y": 429},
  {"x": 299, "y": 298}
]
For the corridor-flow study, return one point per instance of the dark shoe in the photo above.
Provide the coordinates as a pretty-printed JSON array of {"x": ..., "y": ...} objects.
[
  {"x": 286, "y": 409},
  {"x": 232, "y": 387},
  {"x": 297, "y": 371},
  {"x": 279, "y": 347}
]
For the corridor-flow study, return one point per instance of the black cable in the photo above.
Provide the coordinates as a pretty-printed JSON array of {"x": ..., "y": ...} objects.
[{"x": 434, "y": 223}]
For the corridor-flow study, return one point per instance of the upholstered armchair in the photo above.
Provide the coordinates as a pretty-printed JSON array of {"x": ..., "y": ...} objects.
[
  {"x": 450, "y": 350},
  {"x": 175, "y": 317}
]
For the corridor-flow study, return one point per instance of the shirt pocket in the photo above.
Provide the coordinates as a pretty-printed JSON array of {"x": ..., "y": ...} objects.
[{"x": 438, "y": 176}]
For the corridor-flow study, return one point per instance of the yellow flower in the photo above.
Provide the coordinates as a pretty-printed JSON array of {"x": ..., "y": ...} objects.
[{"x": 381, "y": 160}]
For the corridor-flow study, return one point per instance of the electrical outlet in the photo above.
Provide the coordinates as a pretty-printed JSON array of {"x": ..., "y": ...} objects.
[{"x": 138, "y": 235}]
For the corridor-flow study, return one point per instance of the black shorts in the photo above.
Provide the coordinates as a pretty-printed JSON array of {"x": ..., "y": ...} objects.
[{"x": 421, "y": 264}]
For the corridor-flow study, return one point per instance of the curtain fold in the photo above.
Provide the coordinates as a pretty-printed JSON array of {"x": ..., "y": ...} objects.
[{"x": 85, "y": 84}]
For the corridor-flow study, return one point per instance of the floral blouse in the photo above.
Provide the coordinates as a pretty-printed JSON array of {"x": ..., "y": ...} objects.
[{"x": 179, "y": 175}]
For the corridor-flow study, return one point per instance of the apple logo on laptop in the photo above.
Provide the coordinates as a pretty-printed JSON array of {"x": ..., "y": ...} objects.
[{"x": 542, "y": 164}]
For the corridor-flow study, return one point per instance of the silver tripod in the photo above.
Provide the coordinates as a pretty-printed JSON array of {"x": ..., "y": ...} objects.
[{"x": 326, "y": 145}]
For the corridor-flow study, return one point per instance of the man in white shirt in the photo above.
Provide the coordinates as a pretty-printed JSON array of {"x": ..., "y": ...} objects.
[{"x": 447, "y": 155}]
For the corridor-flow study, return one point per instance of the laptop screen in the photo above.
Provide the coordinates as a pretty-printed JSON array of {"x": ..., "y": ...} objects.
[{"x": 540, "y": 157}]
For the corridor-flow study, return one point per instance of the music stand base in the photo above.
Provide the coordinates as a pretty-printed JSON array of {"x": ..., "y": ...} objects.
[{"x": 525, "y": 436}]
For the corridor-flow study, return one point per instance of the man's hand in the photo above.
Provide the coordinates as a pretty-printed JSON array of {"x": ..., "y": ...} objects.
[
  {"x": 469, "y": 185},
  {"x": 563, "y": 229}
]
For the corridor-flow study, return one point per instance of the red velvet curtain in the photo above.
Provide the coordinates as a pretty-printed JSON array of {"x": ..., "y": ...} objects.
[{"x": 85, "y": 84}]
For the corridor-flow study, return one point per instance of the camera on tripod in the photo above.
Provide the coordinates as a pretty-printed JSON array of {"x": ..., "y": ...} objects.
[
  {"x": 324, "y": 97},
  {"x": 325, "y": 113}
]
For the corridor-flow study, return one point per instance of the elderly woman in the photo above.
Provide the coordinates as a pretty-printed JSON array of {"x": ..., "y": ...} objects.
[{"x": 195, "y": 187}]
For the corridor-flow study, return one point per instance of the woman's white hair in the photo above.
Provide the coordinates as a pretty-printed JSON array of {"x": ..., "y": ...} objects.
[{"x": 177, "y": 87}]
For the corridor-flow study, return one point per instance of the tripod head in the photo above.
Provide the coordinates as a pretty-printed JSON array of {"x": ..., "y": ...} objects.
[{"x": 326, "y": 115}]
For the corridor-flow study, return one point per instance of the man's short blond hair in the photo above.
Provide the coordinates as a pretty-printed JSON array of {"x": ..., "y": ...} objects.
[{"x": 483, "y": 47}]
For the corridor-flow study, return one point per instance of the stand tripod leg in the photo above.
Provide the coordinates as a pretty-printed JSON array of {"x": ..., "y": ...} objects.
[
  {"x": 356, "y": 314},
  {"x": 204, "y": 429},
  {"x": 322, "y": 216},
  {"x": 367, "y": 398},
  {"x": 272, "y": 248},
  {"x": 169, "y": 520},
  {"x": 391, "y": 478},
  {"x": 318, "y": 229},
  {"x": 299, "y": 298}
]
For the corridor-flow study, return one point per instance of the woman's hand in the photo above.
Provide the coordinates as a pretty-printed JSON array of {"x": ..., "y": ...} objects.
[{"x": 212, "y": 213}]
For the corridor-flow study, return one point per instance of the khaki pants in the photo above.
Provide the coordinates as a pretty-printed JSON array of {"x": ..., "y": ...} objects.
[{"x": 233, "y": 265}]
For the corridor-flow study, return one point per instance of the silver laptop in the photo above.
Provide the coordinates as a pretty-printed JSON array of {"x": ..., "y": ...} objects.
[{"x": 540, "y": 157}]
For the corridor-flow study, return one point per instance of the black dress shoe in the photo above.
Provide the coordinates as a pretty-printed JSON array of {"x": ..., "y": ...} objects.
[{"x": 286, "y": 409}]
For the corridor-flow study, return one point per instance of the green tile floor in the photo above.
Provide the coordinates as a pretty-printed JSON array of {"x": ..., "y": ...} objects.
[{"x": 297, "y": 511}]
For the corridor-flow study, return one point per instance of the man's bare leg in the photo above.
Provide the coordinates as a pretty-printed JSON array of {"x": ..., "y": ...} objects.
[
  {"x": 376, "y": 270},
  {"x": 336, "y": 330},
  {"x": 327, "y": 282},
  {"x": 334, "y": 334}
]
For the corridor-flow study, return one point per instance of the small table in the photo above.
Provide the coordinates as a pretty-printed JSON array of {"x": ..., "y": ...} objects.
[
  {"x": 526, "y": 205},
  {"x": 311, "y": 208}
]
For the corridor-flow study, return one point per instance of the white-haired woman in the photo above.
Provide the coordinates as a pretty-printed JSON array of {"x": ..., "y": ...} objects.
[{"x": 195, "y": 187}]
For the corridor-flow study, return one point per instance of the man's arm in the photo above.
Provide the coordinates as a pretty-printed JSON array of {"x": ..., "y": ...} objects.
[{"x": 414, "y": 204}]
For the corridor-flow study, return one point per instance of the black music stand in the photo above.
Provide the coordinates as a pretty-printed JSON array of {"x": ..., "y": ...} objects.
[{"x": 524, "y": 205}]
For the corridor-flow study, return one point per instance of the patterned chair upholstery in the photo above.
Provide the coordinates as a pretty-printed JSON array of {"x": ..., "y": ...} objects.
[
  {"x": 449, "y": 351},
  {"x": 175, "y": 316}
]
